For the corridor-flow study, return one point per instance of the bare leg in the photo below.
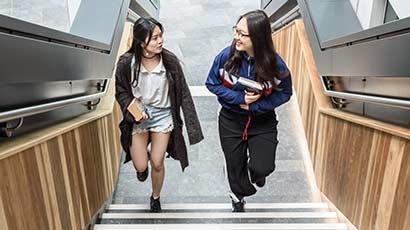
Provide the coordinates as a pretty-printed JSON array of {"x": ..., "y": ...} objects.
[
  {"x": 159, "y": 143},
  {"x": 139, "y": 153}
]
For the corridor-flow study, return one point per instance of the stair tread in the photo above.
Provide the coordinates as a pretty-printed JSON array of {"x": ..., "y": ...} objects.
[
  {"x": 197, "y": 206},
  {"x": 218, "y": 215},
  {"x": 309, "y": 226}
]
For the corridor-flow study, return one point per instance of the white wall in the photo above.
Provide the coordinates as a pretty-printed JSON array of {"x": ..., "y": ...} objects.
[
  {"x": 354, "y": 4},
  {"x": 73, "y": 6},
  {"x": 402, "y": 7},
  {"x": 364, "y": 12}
]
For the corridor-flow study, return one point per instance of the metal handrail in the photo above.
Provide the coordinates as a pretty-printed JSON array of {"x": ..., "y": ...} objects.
[
  {"x": 366, "y": 98},
  {"x": 36, "y": 109},
  {"x": 286, "y": 19},
  {"x": 132, "y": 16}
]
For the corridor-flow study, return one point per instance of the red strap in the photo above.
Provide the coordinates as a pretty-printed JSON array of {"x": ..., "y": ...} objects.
[{"x": 245, "y": 131}]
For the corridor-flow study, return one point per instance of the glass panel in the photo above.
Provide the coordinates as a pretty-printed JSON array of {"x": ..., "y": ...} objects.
[
  {"x": 334, "y": 19},
  {"x": 399, "y": 7},
  {"x": 155, "y": 3},
  {"x": 391, "y": 15},
  {"x": 91, "y": 19},
  {"x": 264, "y": 3}
]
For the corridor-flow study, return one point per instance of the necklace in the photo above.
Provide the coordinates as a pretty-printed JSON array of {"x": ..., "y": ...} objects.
[{"x": 149, "y": 57}]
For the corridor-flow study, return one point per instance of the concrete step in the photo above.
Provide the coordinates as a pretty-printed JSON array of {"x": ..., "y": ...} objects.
[
  {"x": 220, "y": 216},
  {"x": 219, "y": 206},
  {"x": 290, "y": 226}
]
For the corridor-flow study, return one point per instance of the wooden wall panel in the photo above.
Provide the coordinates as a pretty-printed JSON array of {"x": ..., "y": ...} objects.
[
  {"x": 3, "y": 218},
  {"x": 61, "y": 183},
  {"x": 17, "y": 185},
  {"x": 401, "y": 220},
  {"x": 362, "y": 166},
  {"x": 76, "y": 178}
]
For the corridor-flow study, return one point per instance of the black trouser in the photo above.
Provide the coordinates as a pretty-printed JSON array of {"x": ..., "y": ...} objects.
[{"x": 241, "y": 134}]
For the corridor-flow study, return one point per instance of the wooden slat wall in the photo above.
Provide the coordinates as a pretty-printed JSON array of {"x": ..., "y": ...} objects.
[
  {"x": 361, "y": 165},
  {"x": 61, "y": 183},
  {"x": 58, "y": 177}
]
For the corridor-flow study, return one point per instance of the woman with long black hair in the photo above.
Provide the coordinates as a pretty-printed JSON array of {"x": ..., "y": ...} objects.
[
  {"x": 150, "y": 77},
  {"x": 247, "y": 120}
]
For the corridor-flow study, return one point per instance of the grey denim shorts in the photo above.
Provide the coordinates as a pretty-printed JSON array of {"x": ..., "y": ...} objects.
[{"x": 160, "y": 120}]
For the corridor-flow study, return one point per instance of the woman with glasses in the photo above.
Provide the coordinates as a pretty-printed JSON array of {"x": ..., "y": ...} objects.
[
  {"x": 150, "y": 78},
  {"x": 250, "y": 80}
]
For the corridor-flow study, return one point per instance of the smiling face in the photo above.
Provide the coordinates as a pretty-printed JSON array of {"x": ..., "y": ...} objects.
[
  {"x": 154, "y": 46},
  {"x": 242, "y": 39}
]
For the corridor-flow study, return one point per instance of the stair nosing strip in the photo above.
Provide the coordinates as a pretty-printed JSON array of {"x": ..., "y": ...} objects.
[
  {"x": 213, "y": 215},
  {"x": 333, "y": 226},
  {"x": 200, "y": 206}
]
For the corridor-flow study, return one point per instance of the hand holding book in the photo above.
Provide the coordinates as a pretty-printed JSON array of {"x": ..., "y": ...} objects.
[
  {"x": 251, "y": 86},
  {"x": 137, "y": 110},
  {"x": 251, "y": 97}
]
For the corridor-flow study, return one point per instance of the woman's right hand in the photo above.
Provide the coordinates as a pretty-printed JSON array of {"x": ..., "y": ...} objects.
[
  {"x": 143, "y": 118},
  {"x": 251, "y": 97}
]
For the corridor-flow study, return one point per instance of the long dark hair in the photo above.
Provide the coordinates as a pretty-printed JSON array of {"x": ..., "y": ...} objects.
[
  {"x": 143, "y": 29},
  {"x": 265, "y": 55}
]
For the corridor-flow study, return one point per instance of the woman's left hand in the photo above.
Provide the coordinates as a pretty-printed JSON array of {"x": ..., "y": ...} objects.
[{"x": 244, "y": 106}]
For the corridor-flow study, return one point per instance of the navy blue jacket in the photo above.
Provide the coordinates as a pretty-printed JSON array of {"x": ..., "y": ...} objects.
[{"x": 231, "y": 94}]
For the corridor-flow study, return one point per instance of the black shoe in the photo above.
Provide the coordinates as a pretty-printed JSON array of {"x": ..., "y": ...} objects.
[
  {"x": 142, "y": 176},
  {"x": 238, "y": 206},
  {"x": 155, "y": 204},
  {"x": 260, "y": 183}
]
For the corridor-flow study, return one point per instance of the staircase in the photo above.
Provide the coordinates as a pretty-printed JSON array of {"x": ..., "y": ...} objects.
[{"x": 209, "y": 216}]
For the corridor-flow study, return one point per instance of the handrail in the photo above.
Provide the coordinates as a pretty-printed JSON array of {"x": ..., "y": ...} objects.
[
  {"x": 366, "y": 98},
  {"x": 36, "y": 109},
  {"x": 286, "y": 19},
  {"x": 132, "y": 16}
]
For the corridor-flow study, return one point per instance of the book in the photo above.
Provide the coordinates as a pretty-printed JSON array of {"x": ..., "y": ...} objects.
[
  {"x": 136, "y": 108},
  {"x": 252, "y": 86}
]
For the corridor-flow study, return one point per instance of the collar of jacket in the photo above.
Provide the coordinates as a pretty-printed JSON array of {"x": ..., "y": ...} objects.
[
  {"x": 170, "y": 62},
  {"x": 247, "y": 57}
]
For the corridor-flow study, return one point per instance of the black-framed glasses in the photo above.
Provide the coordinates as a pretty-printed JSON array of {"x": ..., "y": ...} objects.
[{"x": 239, "y": 32}]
